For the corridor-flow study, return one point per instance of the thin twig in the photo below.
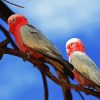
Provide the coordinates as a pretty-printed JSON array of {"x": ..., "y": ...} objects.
[
  {"x": 80, "y": 94},
  {"x": 6, "y": 33},
  {"x": 66, "y": 92},
  {"x": 45, "y": 85},
  {"x": 4, "y": 43},
  {"x": 13, "y": 3}
]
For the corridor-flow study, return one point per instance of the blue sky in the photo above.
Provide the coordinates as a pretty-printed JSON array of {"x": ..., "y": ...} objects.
[{"x": 59, "y": 21}]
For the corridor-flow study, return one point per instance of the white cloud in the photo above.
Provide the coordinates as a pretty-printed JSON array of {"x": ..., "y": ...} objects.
[{"x": 63, "y": 15}]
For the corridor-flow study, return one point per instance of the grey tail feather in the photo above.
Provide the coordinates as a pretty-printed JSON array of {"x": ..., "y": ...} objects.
[{"x": 67, "y": 67}]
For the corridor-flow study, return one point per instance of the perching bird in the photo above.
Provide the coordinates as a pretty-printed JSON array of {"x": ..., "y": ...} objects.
[
  {"x": 85, "y": 71},
  {"x": 32, "y": 41}
]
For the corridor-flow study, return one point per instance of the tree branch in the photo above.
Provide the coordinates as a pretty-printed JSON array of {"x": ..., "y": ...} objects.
[
  {"x": 6, "y": 33},
  {"x": 80, "y": 95},
  {"x": 5, "y": 12},
  {"x": 45, "y": 85},
  {"x": 46, "y": 71},
  {"x": 66, "y": 92},
  {"x": 13, "y": 3}
]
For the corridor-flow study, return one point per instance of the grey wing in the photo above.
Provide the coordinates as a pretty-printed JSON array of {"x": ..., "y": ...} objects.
[
  {"x": 86, "y": 66},
  {"x": 33, "y": 38}
]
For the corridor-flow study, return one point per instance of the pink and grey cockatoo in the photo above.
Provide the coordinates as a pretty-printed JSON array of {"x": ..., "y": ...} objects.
[
  {"x": 31, "y": 40},
  {"x": 85, "y": 70}
]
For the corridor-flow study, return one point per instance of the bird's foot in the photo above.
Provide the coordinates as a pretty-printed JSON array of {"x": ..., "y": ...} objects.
[
  {"x": 28, "y": 56},
  {"x": 79, "y": 85},
  {"x": 37, "y": 61}
]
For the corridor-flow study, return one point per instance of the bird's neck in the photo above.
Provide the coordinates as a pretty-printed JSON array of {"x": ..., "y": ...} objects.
[
  {"x": 17, "y": 34},
  {"x": 18, "y": 26},
  {"x": 21, "y": 24},
  {"x": 81, "y": 49}
]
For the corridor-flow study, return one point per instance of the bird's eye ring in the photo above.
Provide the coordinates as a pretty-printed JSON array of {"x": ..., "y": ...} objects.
[
  {"x": 14, "y": 20},
  {"x": 71, "y": 44}
]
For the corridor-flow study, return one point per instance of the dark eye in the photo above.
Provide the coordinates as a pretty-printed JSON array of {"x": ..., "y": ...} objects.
[
  {"x": 14, "y": 20},
  {"x": 71, "y": 44}
]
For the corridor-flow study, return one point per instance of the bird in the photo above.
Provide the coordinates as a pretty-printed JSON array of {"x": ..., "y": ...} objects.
[
  {"x": 85, "y": 70},
  {"x": 32, "y": 41}
]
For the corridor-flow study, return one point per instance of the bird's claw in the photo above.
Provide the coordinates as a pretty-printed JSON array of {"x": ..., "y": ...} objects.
[
  {"x": 79, "y": 85},
  {"x": 28, "y": 56}
]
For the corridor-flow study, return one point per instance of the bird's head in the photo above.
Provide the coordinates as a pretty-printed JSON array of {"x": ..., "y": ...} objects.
[
  {"x": 74, "y": 44},
  {"x": 16, "y": 20}
]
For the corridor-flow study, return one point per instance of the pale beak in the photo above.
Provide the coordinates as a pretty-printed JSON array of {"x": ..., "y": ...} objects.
[{"x": 67, "y": 50}]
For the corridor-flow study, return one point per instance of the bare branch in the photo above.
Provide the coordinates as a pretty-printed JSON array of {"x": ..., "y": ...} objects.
[
  {"x": 45, "y": 85},
  {"x": 46, "y": 71},
  {"x": 13, "y": 3},
  {"x": 6, "y": 33},
  {"x": 5, "y": 12},
  {"x": 66, "y": 92},
  {"x": 1, "y": 54},
  {"x": 80, "y": 95},
  {"x": 3, "y": 45}
]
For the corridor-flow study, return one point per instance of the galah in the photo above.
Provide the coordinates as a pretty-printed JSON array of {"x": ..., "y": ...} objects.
[
  {"x": 85, "y": 70},
  {"x": 32, "y": 41}
]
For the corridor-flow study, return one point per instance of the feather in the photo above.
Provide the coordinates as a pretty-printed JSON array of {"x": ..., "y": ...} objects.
[
  {"x": 36, "y": 41},
  {"x": 85, "y": 66}
]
